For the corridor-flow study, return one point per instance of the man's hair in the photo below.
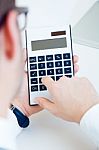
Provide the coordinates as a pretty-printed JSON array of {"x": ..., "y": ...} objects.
[{"x": 5, "y": 7}]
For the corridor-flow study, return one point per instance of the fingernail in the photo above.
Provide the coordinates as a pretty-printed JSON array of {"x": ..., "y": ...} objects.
[{"x": 42, "y": 79}]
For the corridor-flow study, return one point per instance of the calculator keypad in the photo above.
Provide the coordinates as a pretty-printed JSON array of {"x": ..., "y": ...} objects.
[
  {"x": 43, "y": 88},
  {"x": 34, "y": 81},
  {"x": 33, "y": 74},
  {"x": 54, "y": 65},
  {"x": 49, "y": 57},
  {"x": 42, "y": 73},
  {"x": 32, "y": 59},
  {"x": 58, "y": 64},
  {"x": 41, "y": 65},
  {"x": 41, "y": 58},
  {"x": 58, "y": 77},
  {"x": 58, "y": 56},
  {"x": 66, "y": 56},
  {"x": 50, "y": 72},
  {"x": 67, "y": 63},
  {"x": 50, "y": 65},
  {"x": 34, "y": 88},
  {"x": 33, "y": 66},
  {"x": 67, "y": 70},
  {"x": 53, "y": 77},
  {"x": 59, "y": 71}
]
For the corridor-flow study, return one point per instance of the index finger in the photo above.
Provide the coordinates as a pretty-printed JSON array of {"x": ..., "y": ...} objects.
[
  {"x": 48, "y": 82},
  {"x": 76, "y": 59}
]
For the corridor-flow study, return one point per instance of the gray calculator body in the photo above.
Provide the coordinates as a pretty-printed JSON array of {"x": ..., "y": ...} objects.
[{"x": 50, "y": 53}]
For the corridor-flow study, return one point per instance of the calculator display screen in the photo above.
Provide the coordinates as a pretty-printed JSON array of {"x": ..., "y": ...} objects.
[{"x": 49, "y": 44}]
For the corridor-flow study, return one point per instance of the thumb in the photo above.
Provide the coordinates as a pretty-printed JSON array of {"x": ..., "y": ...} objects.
[{"x": 45, "y": 103}]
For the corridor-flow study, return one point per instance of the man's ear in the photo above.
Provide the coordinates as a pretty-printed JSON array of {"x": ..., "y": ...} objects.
[{"x": 11, "y": 35}]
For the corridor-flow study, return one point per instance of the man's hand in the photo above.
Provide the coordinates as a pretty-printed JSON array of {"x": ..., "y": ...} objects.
[
  {"x": 71, "y": 98},
  {"x": 22, "y": 100}
]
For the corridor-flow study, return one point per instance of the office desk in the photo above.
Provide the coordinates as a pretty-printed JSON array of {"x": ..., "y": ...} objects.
[{"x": 49, "y": 133}]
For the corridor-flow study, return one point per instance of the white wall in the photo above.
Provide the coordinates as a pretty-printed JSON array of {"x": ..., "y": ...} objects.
[
  {"x": 82, "y": 6},
  {"x": 55, "y": 12},
  {"x": 48, "y": 12}
]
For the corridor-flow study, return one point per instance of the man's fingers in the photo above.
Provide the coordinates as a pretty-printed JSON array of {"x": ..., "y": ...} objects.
[
  {"x": 48, "y": 82},
  {"x": 76, "y": 68},
  {"x": 33, "y": 109},
  {"x": 45, "y": 103},
  {"x": 76, "y": 58}
]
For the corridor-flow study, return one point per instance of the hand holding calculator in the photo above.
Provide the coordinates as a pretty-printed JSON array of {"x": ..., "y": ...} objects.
[{"x": 49, "y": 53}]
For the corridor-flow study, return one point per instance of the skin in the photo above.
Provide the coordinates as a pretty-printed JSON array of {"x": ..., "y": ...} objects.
[
  {"x": 22, "y": 98},
  {"x": 71, "y": 98}
]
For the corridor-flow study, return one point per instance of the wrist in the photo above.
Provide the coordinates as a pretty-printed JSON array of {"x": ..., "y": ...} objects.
[
  {"x": 22, "y": 119},
  {"x": 17, "y": 103}
]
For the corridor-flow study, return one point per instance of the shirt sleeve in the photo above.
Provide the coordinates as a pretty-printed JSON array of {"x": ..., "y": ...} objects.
[
  {"x": 90, "y": 123},
  {"x": 9, "y": 129}
]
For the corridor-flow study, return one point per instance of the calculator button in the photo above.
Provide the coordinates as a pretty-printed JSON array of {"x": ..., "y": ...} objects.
[
  {"x": 33, "y": 73},
  {"x": 41, "y": 58},
  {"x": 43, "y": 88},
  {"x": 42, "y": 73},
  {"x": 66, "y": 56},
  {"x": 32, "y": 59},
  {"x": 68, "y": 76},
  {"x": 33, "y": 66},
  {"x": 49, "y": 57},
  {"x": 50, "y": 65},
  {"x": 59, "y": 71},
  {"x": 41, "y": 66},
  {"x": 34, "y": 81},
  {"x": 58, "y": 77},
  {"x": 40, "y": 80},
  {"x": 58, "y": 57},
  {"x": 53, "y": 78},
  {"x": 50, "y": 72},
  {"x": 34, "y": 88},
  {"x": 58, "y": 64},
  {"x": 67, "y": 70},
  {"x": 67, "y": 63}
]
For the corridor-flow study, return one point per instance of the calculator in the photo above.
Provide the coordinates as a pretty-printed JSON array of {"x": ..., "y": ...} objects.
[{"x": 50, "y": 53}]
